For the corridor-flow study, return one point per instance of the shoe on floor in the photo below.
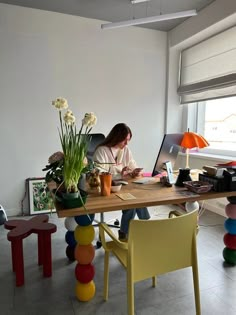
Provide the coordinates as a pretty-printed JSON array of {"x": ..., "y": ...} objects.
[{"x": 122, "y": 236}]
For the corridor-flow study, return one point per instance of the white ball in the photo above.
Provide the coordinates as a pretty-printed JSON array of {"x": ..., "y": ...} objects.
[
  {"x": 191, "y": 206},
  {"x": 70, "y": 223}
]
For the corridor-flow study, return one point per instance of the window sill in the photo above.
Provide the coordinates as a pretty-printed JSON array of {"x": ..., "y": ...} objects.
[{"x": 208, "y": 156}]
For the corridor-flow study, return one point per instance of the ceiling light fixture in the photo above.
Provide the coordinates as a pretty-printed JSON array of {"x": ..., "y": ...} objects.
[
  {"x": 151, "y": 19},
  {"x": 138, "y": 1}
]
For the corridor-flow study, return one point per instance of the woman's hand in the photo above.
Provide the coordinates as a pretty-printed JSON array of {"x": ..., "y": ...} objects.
[
  {"x": 125, "y": 171},
  {"x": 136, "y": 172}
]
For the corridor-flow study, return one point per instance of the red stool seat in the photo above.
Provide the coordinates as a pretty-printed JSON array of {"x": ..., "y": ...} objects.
[{"x": 20, "y": 229}]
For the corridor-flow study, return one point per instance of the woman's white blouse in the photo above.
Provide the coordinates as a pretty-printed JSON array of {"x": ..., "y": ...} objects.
[{"x": 124, "y": 158}]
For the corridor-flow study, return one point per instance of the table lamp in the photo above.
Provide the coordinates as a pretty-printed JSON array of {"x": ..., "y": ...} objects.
[{"x": 190, "y": 140}]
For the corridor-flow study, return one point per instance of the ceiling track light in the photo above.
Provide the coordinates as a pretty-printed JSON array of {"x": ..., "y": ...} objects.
[
  {"x": 138, "y": 1},
  {"x": 151, "y": 19}
]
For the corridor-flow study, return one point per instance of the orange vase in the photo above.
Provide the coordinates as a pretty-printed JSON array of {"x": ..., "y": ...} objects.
[{"x": 105, "y": 184}]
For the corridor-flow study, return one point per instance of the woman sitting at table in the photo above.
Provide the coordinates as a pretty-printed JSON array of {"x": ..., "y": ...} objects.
[{"x": 114, "y": 150}]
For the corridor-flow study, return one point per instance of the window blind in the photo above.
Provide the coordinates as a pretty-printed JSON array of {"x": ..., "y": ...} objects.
[{"x": 208, "y": 69}]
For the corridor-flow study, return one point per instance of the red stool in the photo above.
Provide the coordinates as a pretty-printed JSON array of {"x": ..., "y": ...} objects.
[{"x": 20, "y": 229}]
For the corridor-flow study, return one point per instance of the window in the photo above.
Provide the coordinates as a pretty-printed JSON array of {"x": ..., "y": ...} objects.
[{"x": 216, "y": 121}]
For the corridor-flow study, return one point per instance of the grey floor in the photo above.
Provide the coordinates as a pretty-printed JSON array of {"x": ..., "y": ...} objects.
[{"x": 173, "y": 294}]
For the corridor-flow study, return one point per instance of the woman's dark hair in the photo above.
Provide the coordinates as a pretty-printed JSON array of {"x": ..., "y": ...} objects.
[{"x": 117, "y": 134}]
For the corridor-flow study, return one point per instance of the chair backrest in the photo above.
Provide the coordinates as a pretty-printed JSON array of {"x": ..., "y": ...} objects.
[
  {"x": 160, "y": 246},
  {"x": 96, "y": 139}
]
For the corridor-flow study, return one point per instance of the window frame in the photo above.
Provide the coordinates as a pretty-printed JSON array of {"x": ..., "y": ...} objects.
[{"x": 194, "y": 117}]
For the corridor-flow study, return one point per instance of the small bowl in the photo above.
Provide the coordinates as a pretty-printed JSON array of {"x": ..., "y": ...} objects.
[{"x": 116, "y": 188}]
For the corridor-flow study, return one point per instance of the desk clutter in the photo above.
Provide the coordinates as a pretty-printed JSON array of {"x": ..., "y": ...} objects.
[
  {"x": 198, "y": 187},
  {"x": 222, "y": 177}
]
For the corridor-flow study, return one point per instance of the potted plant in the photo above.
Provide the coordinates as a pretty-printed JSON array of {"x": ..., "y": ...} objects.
[
  {"x": 55, "y": 168},
  {"x": 74, "y": 145}
]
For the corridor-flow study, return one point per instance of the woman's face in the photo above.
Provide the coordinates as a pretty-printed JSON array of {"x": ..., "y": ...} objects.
[{"x": 123, "y": 143}]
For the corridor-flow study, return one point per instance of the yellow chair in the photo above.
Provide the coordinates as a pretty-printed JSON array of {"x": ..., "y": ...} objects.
[{"x": 154, "y": 247}]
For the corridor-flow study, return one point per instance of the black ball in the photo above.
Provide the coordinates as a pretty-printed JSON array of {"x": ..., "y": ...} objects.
[
  {"x": 70, "y": 253},
  {"x": 232, "y": 199}
]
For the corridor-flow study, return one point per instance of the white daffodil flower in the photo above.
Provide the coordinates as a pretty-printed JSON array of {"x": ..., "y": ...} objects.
[
  {"x": 60, "y": 103},
  {"x": 69, "y": 118},
  {"x": 89, "y": 119}
]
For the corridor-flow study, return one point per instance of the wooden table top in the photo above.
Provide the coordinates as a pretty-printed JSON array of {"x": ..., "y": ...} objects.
[{"x": 146, "y": 195}]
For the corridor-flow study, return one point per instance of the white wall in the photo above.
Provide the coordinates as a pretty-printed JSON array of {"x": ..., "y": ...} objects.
[{"x": 118, "y": 74}]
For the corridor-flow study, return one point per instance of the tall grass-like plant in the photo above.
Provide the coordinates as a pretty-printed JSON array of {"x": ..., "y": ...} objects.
[{"x": 74, "y": 144}]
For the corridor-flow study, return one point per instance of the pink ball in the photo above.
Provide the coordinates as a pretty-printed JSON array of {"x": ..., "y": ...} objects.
[{"x": 230, "y": 210}]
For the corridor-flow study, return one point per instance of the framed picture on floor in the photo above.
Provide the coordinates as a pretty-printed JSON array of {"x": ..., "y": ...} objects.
[{"x": 40, "y": 199}]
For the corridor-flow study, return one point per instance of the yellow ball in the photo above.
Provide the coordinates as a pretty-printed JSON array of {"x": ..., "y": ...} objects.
[
  {"x": 84, "y": 235},
  {"x": 85, "y": 291}
]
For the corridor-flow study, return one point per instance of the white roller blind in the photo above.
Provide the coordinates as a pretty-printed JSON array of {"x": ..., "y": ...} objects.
[{"x": 208, "y": 69}]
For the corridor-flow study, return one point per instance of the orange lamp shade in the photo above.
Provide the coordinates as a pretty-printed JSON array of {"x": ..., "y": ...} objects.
[{"x": 193, "y": 140}]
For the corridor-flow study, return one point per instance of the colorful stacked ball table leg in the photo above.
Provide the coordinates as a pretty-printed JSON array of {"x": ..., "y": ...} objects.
[
  {"x": 70, "y": 225},
  {"x": 84, "y": 255},
  {"x": 229, "y": 252}
]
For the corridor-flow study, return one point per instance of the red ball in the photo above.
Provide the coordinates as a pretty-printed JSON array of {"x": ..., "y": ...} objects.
[
  {"x": 84, "y": 273},
  {"x": 230, "y": 241}
]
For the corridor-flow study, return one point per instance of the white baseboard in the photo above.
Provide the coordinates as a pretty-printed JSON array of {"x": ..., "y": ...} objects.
[
  {"x": 13, "y": 212},
  {"x": 216, "y": 206}
]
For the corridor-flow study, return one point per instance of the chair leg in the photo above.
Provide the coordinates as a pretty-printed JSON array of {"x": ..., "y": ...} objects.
[
  {"x": 154, "y": 282},
  {"x": 130, "y": 294},
  {"x": 106, "y": 275},
  {"x": 196, "y": 290}
]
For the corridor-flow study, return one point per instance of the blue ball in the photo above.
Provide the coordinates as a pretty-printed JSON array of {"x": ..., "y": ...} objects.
[
  {"x": 230, "y": 226},
  {"x": 84, "y": 220},
  {"x": 70, "y": 239}
]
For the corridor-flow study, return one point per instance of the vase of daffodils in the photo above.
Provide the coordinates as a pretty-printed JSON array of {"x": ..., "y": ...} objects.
[{"x": 74, "y": 145}]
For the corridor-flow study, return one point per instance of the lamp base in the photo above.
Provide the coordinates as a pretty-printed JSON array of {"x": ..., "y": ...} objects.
[{"x": 184, "y": 176}]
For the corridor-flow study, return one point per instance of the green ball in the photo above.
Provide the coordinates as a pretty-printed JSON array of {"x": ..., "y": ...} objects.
[{"x": 229, "y": 255}]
